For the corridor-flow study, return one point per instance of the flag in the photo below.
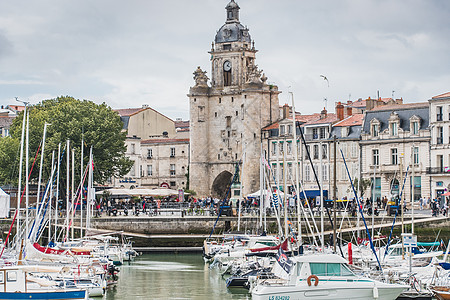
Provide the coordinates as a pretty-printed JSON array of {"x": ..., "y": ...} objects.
[{"x": 283, "y": 266}]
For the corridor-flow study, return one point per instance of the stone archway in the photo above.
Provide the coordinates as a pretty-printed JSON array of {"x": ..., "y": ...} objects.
[{"x": 221, "y": 184}]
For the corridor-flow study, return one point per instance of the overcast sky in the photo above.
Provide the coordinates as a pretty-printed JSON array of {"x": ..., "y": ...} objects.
[{"x": 130, "y": 53}]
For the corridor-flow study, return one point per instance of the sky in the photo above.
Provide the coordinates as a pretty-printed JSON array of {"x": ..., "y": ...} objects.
[{"x": 136, "y": 52}]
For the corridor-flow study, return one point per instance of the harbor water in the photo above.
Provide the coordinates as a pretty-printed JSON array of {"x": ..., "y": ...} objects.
[{"x": 171, "y": 276}]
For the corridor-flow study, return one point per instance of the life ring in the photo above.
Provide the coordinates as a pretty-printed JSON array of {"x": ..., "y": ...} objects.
[{"x": 316, "y": 280}]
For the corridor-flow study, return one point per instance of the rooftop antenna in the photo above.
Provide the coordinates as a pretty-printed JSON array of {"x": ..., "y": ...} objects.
[
  {"x": 393, "y": 95},
  {"x": 349, "y": 97},
  {"x": 325, "y": 102}
]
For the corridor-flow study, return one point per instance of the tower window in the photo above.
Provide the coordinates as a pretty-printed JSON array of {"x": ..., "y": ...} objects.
[
  {"x": 227, "y": 78},
  {"x": 237, "y": 113},
  {"x": 227, "y": 47},
  {"x": 215, "y": 114},
  {"x": 220, "y": 100},
  {"x": 232, "y": 99}
]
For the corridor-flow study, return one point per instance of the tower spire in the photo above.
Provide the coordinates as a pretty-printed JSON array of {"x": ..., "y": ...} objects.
[{"x": 232, "y": 11}]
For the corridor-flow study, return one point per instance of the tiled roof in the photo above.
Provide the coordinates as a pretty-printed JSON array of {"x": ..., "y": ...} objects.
[
  {"x": 5, "y": 122},
  {"x": 353, "y": 120},
  {"x": 330, "y": 118},
  {"x": 18, "y": 108},
  {"x": 446, "y": 95},
  {"x": 124, "y": 112},
  {"x": 164, "y": 141},
  {"x": 298, "y": 117},
  {"x": 400, "y": 106},
  {"x": 358, "y": 103},
  {"x": 181, "y": 124}
]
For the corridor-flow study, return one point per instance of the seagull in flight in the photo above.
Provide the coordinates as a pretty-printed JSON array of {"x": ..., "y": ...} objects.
[{"x": 325, "y": 78}]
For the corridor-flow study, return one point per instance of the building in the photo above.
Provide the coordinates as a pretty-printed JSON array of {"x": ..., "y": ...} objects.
[
  {"x": 228, "y": 112},
  {"x": 156, "y": 145},
  {"x": 394, "y": 136},
  {"x": 440, "y": 144}
]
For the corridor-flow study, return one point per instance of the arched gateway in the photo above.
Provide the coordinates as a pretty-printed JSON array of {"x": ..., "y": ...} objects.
[{"x": 221, "y": 184}]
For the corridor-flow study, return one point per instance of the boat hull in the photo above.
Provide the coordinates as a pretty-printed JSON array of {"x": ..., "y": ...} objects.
[
  {"x": 325, "y": 292},
  {"x": 53, "y": 295}
]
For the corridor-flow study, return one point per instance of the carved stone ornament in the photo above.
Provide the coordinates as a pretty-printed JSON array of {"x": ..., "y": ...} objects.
[
  {"x": 200, "y": 78},
  {"x": 254, "y": 75}
]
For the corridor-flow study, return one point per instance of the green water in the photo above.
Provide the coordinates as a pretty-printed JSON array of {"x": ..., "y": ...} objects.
[{"x": 171, "y": 276}]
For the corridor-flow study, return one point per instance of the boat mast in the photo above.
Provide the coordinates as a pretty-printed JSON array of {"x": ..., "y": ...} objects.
[
  {"x": 67, "y": 187},
  {"x": 322, "y": 238},
  {"x": 57, "y": 190},
  {"x": 27, "y": 186},
  {"x": 38, "y": 199},
  {"x": 73, "y": 192},
  {"x": 19, "y": 188},
  {"x": 81, "y": 182},
  {"x": 297, "y": 185},
  {"x": 50, "y": 197}
]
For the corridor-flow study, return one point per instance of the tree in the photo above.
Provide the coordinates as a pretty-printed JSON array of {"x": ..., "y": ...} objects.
[
  {"x": 363, "y": 185},
  {"x": 74, "y": 120}
]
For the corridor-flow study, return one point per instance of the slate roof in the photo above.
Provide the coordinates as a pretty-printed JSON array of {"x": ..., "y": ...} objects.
[{"x": 404, "y": 111}]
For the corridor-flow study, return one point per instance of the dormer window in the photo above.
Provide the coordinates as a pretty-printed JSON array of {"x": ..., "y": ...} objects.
[
  {"x": 282, "y": 130},
  {"x": 414, "y": 125},
  {"x": 375, "y": 127},
  {"x": 344, "y": 131},
  {"x": 394, "y": 122}
]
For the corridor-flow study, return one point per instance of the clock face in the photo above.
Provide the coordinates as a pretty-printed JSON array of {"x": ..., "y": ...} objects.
[{"x": 227, "y": 66}]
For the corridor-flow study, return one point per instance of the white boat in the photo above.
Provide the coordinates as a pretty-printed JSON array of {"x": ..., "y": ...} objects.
[
  {"x": 16, "y": 283},
  {"x": 323, "y": 276}
]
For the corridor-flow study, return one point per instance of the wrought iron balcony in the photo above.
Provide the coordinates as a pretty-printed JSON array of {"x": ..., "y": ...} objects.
[{"x": 438, "y": 170}]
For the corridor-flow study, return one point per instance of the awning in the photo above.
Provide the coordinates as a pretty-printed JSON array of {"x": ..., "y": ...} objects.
[
  {"x": 313, "y": 194},
  {"x": 446, "y": 194}
]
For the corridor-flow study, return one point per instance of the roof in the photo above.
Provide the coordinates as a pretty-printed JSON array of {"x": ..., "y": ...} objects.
[
  {"x": 126, "y": 112},
  {"x": 404, "y": 111},
  {"x": 182, "y": 124},
  {"x": 353, "y": 120},
  {"x": 446, "y": 95},
  {"x": 18, "y": 108},
  {"x": 330, "y": 118},
  {"x": 400, "y": 106},
  {"x": 358, "y": 103},
  {"x": 164, "y": 141},
  {"x": 5, "y": 122}
]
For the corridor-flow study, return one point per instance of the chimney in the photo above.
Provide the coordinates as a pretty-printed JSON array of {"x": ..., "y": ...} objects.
[
  {"x": 349, "y": 110},
  {"x": 285, "y": 111},
  {"x": 339, "y": 111},
  {"x": 323, "y": 114}
]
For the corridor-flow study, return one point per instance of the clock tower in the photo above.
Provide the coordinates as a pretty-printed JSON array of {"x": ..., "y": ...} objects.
[{"x": 228, "y": 112}]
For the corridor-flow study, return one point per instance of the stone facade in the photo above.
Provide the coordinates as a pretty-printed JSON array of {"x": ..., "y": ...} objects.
[
  {"x": 226, "y": 116},
  {"x": 394, "y": 136},
  {"x": 440, "y": 144}
]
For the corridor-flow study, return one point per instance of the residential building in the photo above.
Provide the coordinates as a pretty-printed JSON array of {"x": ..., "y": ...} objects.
[
  {"x": 392, "y": 138},
  {"x": 439, "y": 169}
]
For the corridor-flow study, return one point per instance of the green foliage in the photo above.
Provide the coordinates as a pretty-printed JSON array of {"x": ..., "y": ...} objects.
[
  {"x": 74, "y": 120},
  {"x": 9, "y": 158},
  {"x": 363, "y": 185}
]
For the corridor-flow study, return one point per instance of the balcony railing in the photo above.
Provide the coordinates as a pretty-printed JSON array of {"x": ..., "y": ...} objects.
[{"x": 438, "y": 170}]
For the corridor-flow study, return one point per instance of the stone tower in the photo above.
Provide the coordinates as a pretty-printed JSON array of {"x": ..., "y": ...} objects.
[{"x": 227, "y": 115}]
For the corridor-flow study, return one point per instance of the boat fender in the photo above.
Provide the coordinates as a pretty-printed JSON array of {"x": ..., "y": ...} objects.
[
  {"x": 316, "y": 280},
  {"x": 375, "y": 293}
]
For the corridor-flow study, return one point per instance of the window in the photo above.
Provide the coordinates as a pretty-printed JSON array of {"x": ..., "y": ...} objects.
[
  {"x": 228, "y": 120},
  {"x": 439, "y": 113},
  {"x": 440, "y": 162},
  {"x": 394, "y": 156},
  {"x": 375, "y": 129},
  {"x": 416, "y": 155},
  {"x": 133, "y": 148},
  {"x": 201, "y": 114},
  {"x": 173, "y": 183},
  {"x": 375, "y": 157},
  {"x": 316, "y": 152},
  {"x": 1, "y": 277},
  {"x": 344, "y": 149},
  {"x": 11, "y": 276},
  {"x": 172, "y": 151},
  {"x": 274, "y": 148},
  {"x": 289, "y": 147},
  {"x": 149, "y": 170},
  {"x": 281, "y": 147},
  {"x": 324, "y": 172},
  {"x": 415, "y": 128},
  {"x": 281, "y": 129},
  {"x": 307, "y": 150},
  {"x": 315, "y": 135},
  {"x": 324, "y": 151},
  {"x": 330, "y": 269},
  {"x": 394, "y": 129},
  {"x": 440, "y": 135},
  {"x": 354, "y": 151},
  {"x": 132, "y": 170},
  {"x": 149, "y": 153},
  {"x": 322, "y": 133},
  {"x": 172, "y": 169},
  {"x": 215, "y": 114},
  {"x": 289, "y": 170},
  {"x": 289, "y": 129},
  {"x": 307, "y": 173}
]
